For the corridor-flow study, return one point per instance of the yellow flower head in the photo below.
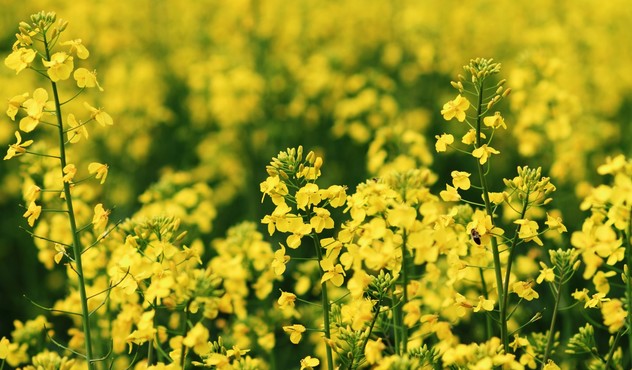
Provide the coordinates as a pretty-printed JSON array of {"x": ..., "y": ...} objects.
[
  {"x": 20, "y": 59},
  {"x": 484, "y": 152},
  {"x": 495, "y": 121},
  {"x": 460, "y": 180},
  {"x": 18, "y": 148},
  {"x": 100, "y": 169},
  {"x": 295, "y": 331},
  {"x": 100, "y": 116},
  {"x": 308, "y": 363},
  {"x": 524, "y": 289},
  {"x": 78, "y": 47},
  {"x": 286, "y": 300},
  {"x": 443, "y": 142},
  {"x": 100, "y": 218},
  {"x": 86, "y": 78},
  {"x": 455, "y": 108},
  {"x": 59, "y": 66},
  {"x": 32, "y": 213}
]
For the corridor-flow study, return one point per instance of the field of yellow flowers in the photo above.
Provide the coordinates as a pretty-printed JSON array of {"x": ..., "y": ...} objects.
[{"x": 316, "y": 184}]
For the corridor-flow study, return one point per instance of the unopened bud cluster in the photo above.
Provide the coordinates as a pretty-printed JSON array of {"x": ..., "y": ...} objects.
[
  {"x": 530, "y": 182},
  {"x": 290, "y": 164},
  {"x": 565, "y": 261},
  {"x": 380, "y": 285}
]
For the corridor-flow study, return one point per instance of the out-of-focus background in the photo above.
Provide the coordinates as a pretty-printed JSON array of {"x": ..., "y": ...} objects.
[{"x": 206, "y": 92}]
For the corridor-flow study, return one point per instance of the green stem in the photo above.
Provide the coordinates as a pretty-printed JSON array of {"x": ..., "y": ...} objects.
[
  {"x": 512, "y": 252},
  {"x": 325, "y": 303},
  {"x": 185, "y": 330},
  {"x": 488, "y": 319},
  {"x": 76, "y": 243},
  {"x": 550, "y": 337},
  {"x": 488, "y": 209},
  {"x": 404, "y": 328},
  {"x": 628, "y": 281},
  {"x": 371, "y": 326},
  {"x": 610, "y": 354}
]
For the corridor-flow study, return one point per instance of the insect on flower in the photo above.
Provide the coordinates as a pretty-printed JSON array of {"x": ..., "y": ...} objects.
[{"x": 476, "y": 237}]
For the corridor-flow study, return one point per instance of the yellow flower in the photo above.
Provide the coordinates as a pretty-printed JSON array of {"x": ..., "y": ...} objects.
[
  {"x": 20, "y": 59},
  {"x": 59, "y": 66},
  {"x": 275, "y": 188},
  {"x": 470, "y": 137},
  {"x": 296, "y": 332},
  {"x": 614, "y": 316},
  {"x": 32, "y": 213},
  {"x": 450, "y": 194},
  {"x": 197, "y": 338},
  {"x": 524, "y": 289},
  {"x": 86, "y": 78},
  {"x": 34, "y": 110},
  {"x": 335, "y": 274},
  {"x": 336, "y": 194},
  {"x": 581, "y": 295},
  {"x": 321, "y": 220},
  {"x": 61, "y": 252},
  {"x": 145, "y": 330},
  {"x": 600, "y": 280},
  {"x": 373, "y": 351},
  {"x": 308, "y": 363},
  {"x": 100, "y": 116},
  {"x": 4, "y": 348},
  {"x": 307, "y": 195},
  {"x": 70, "y": 171},
  {"x": 17, "y": 148},
  {"x": 100, "y": 218},
  {"x": 15, "y": 103},
  {"x": 483, "y": 153},
  {"x": 495, "y": 121},
  {"x": 286, "y": 300},
  {"x": 100, "y": 169},
  {"x": 596, "y": 300},
  {"x": 484, "y": 304},
  {"x": 77, "y": 130},
  {"x": 546, "y": 274},
  {"x": 401, "y": 216},
  {"x": 443, "y": 142},
  {"x": 550, "y": 365},
  {"x": 455, "y": 108},
  {"x": 496, "y": 197},
  {"x": 529, "y": 231},
  {"x": 78, "y": 47},
  {"x": 279, "y": 261},
  {"x": 555, "y": 223},
  {"x": 460, "y": 180}
]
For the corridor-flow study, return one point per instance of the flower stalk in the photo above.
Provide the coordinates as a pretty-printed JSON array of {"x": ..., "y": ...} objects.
[{"x": 76, "y": 243}]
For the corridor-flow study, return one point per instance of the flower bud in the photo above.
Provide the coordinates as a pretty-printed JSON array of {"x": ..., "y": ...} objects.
[{"x": 506, "y": 92}]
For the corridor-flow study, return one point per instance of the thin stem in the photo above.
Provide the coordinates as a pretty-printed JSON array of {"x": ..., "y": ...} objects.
[
  {"x": 512, "y": 250},
  {"x": 76, "y": 243},
  {"x": 404, "y": 328},
  {"x": 370, "y": 330},
  {"x": 628, "y": 282},
  {"x": 550, "y": 337},
  {"x": 488, "y": 209},
  {"x": 185, "y": 330},
  {"x": 488, "y": 319},
  {"x": 610, "y": 354},
  {"x": 325, "y": 303}
]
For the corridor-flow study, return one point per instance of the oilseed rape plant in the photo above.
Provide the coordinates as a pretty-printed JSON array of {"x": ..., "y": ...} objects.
[{"x": 413, "y": 222}]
